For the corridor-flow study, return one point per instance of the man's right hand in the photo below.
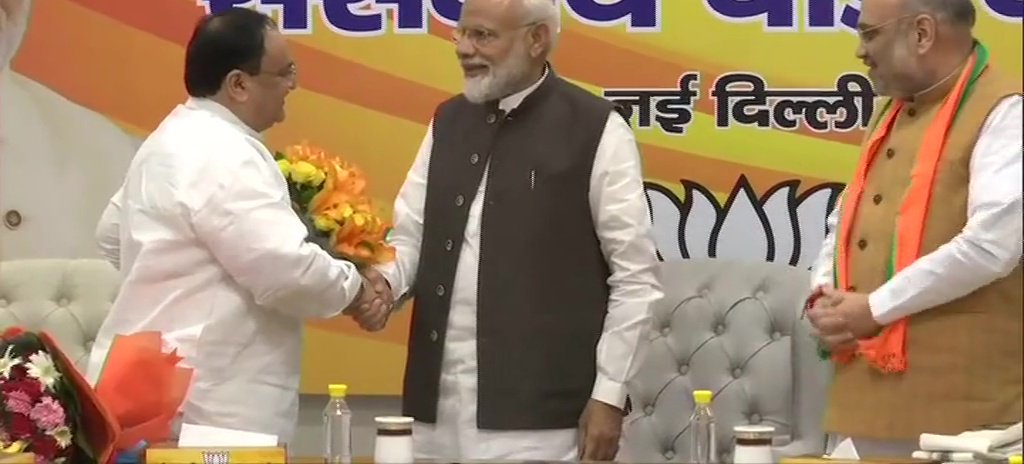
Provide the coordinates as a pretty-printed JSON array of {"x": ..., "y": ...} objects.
[
  {"x": 832, "y": 328},
  {"x": 373, "y": 307}
]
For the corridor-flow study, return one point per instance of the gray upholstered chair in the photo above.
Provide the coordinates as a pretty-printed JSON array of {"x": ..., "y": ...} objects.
[
  {"x": 734, "y": 328},
  {"x": 67, "y": 298}
]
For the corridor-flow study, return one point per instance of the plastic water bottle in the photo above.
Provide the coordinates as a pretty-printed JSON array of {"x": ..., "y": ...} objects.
[
  {"x": 337, "y": 427},
  {"x": 702, "y": 430}
]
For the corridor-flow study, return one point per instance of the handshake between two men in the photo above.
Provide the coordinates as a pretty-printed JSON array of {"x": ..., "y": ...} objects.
[
  {"x": 841, "y": 318},
  {"x": 372, "y": 308}
]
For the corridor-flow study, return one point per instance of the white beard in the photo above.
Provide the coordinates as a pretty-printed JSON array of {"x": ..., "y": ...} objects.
[
  {"x": 499, "y": 79},
  {"x": 480, "y": 88}
]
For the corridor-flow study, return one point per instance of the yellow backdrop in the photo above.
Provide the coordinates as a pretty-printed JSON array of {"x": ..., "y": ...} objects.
[{"x": 367, "y": 96}]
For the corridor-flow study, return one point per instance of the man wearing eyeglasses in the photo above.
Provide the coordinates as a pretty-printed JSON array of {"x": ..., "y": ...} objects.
[
  {"x": 522, "y": 232},
  {"x": 210, "y": 251},
  {"x": 919, "y": 282}
]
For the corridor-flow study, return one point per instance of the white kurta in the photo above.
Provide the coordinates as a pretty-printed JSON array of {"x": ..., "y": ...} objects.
[
  {"x": 620, "y": 213},
  {"x": 213, "y": 256},
  {"x": 59, "y": 164},
  {"x": 988, "y": 247}
]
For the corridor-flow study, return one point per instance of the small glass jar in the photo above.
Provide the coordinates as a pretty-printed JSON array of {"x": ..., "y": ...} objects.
[
  {"x": 752, "y": 444},
  {"x": 394, "y": 440}
]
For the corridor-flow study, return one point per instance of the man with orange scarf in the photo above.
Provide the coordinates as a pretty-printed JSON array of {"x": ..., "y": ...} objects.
[{"x": 918, "y": 287}]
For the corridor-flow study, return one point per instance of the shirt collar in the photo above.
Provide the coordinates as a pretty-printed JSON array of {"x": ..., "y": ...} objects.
[
  {"x": 510, "y": 102},
  {"x": 221, "y": 112}
]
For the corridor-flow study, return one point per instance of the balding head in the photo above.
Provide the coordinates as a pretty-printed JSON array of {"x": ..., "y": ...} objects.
[
  {"x": 911, "y": 46},
  {"x": 956, "y": 13}
]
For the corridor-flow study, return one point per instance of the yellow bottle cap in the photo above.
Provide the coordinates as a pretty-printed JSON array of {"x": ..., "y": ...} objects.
[
  {"x": 1016, "y": 459},
  {"x": 702, "y": 396},
  {"x": 338, "y": 390}
]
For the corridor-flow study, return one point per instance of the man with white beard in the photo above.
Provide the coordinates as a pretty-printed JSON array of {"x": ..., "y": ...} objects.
[
  {"x": 522, "y": 232},
  {"x": 59, "y": 162}
]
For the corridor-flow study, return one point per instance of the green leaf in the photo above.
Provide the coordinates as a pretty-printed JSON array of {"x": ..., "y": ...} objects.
[
  {"x": 823, "y": 352},
  {"x": 306, "y": 195}
]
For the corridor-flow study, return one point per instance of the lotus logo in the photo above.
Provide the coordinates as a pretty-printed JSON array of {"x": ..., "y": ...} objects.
[
  {"x": 216, "y": 457},
  {"x": 779, "y": 225}
]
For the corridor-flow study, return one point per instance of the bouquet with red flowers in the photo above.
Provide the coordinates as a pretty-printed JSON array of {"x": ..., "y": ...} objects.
[
  {"x": 48, "y": 408},
  {"x": 41, "y": 411}
]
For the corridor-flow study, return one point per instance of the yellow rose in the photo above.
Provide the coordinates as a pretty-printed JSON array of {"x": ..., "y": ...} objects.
[
  {"x": 285, "y": 166},
  {"x": 359, "y": 219},
  {"x": 324, "y": 223},
  {"x": 305, "y": 173}
]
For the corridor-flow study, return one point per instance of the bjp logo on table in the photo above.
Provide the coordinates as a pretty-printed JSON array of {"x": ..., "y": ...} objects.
[{"x": 216, "y": 457}]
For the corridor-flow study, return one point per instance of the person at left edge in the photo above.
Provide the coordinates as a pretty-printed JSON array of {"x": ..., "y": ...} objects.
[{"x": 210, "y": 251}]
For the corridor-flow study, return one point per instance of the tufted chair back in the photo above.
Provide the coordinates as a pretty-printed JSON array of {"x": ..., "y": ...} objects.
[
  {"x": 734, "y": 328},
  {"x": 67, "y": 298}
]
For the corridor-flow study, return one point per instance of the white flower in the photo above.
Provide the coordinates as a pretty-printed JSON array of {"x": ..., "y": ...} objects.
[
  {"x": 776, "y": 226},
  {"x": 62, "y": 435},
  {"x": 7, "y": 362},
  {"x": 41, "y": 367}
]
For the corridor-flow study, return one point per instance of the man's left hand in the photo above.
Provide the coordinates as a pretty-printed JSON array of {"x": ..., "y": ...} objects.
[
  {"x": 600, "y": 429},
  {"x": 855, "y": 309}
]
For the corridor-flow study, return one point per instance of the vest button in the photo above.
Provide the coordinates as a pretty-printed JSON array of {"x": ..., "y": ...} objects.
[
  {"x": 448, "y": 245},
  {"x": 876, "y": 199},
  {"x": 474, "y": 158},
  {"x": 862, "y": 244},
  {"x": 890, "y": 153},
  {"x": 460, "y": 200},
  {"x": 12, "y": 219},
  {"x": 911, "y": 112},
  {"x": 491, "y": 118},
  {"x": 440, "y": 290},
  {"x": 433, "y": 335}
]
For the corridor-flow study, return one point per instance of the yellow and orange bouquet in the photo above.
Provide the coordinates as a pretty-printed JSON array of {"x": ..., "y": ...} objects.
[{"x": 328, "y": 193}]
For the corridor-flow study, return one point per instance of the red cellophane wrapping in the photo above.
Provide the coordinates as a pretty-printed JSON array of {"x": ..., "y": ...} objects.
[{"x": 142, "y": 387}]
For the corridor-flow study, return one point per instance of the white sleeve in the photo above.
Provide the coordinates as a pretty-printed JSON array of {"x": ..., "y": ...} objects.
[
  {"x": 619, "y": 208},
  {"x": 248, "y": 224},
  {"x": 988, "y": 247}
]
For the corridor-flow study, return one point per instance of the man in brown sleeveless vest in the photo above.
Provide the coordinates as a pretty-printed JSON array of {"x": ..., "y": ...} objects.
[
  {"x": 523, "y": 235},
  {"x": 920, "y": 277}
]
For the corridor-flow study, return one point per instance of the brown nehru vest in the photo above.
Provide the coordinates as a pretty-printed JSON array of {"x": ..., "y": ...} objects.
[{"x": 964, "y": 357}]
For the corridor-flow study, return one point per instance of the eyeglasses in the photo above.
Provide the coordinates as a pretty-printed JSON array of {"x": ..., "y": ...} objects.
[
  {"x": 290, "y": 72},
  {"x": 480, "y": 36},
  {"x": 869, "y": 33}
]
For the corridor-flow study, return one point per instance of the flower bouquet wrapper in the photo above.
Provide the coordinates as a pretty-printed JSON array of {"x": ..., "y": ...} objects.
[{"x": 143, "y": 387}]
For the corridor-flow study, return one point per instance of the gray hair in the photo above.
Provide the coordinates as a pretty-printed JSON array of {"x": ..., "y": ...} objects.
[
  {"x": 956, "y": 12},
  {"x": 544, "y": 12}
]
